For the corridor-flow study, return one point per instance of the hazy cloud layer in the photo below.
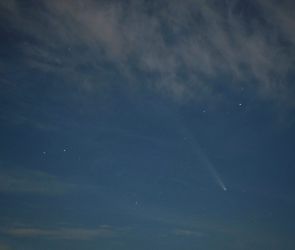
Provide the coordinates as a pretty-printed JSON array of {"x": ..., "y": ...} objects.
[
  {"x": 32, "y": 182},
  {"x": 4, "y": 247},
  {"x": 178, "y": 46},
  {"x": 188, "y": 233},
  {"x": 62, "y": 233}
]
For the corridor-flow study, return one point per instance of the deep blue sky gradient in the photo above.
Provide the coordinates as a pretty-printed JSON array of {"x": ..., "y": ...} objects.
[{"x": 118, "y": 121}]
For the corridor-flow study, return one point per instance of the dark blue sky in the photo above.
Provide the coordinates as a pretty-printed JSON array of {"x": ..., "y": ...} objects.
[{"x": 147, "y": 125}]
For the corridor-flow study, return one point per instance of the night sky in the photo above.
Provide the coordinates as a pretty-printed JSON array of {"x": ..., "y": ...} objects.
[{"x": 151, "y": 125}]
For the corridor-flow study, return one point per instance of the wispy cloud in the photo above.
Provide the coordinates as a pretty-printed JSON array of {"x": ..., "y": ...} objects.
[
  {"x": 188, "y": 233},
  {"x": 32, "y": 182},
  {"x": 4, "y": 247},
  {"x": 103, "y": 231},
  {"x": 178, "y": 44}
]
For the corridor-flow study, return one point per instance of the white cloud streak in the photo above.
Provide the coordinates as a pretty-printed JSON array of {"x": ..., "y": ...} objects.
[
  {"x": 103, "y": 231},
  {"x": 32, "y": 182}
]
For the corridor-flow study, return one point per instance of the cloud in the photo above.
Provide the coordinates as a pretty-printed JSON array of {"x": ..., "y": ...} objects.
[
  {"x": 179, "y": 47},
  {"x": 32, "y": 182},
  {"x": 4, "y": 247},
  {"x": 188, "y": 233},
  {"x": 103, "y": 231}
]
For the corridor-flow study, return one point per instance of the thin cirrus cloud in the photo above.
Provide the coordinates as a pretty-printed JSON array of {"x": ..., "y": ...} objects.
[
  {"x": 32, "y": 182},
  {"x": 188, "y": 233},
  {"x": 103, "y": 231},
  {"x": 180, "y": 44},
  {"x": 4, "y": 247}
]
